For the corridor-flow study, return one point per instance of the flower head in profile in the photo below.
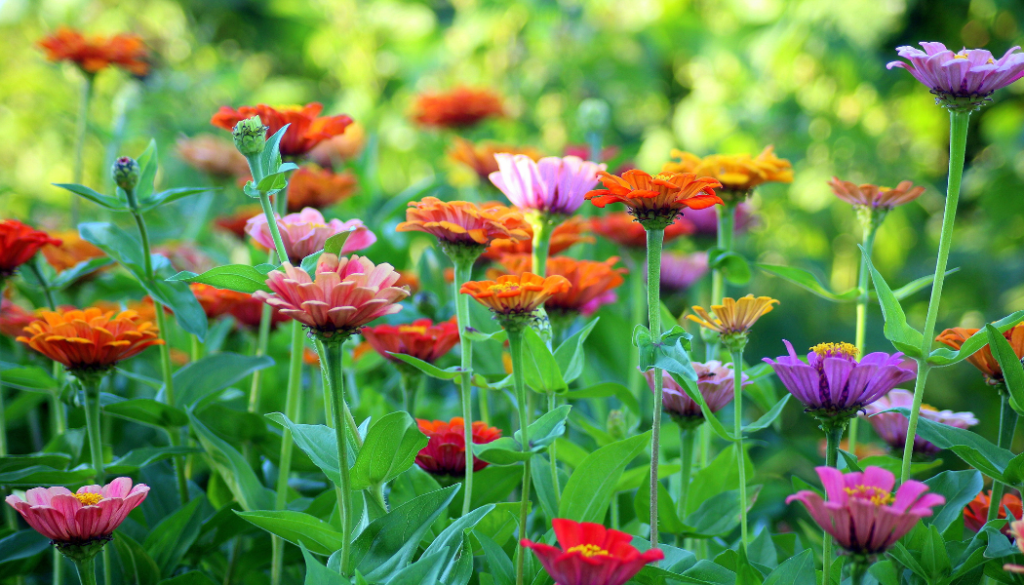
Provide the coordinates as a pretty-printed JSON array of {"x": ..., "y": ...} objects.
[
  {"x": 463, "y": 227},
  {"x": 216, "y": 302},
  {"x": 717, "y": 385},
  {"x": 976, "y": 512},
  {"x": 94, "y": 54},
  {"x": 319, "y": 188},
  {"x": 13, "y": 318},
  {"x": 1017, "y": 533},
  {"x": 340, "y": 148},
  {"x": 514, "y": 296},
  {"x": 592, "y": 283},
  {"x": 212, "y": 155},
  {"x": 348, "y": 293},
  {"x": 983, "y": 358},
  {"x": 71, "y": 251},
  {"x": 18, "y": 244},
  {"x": 90, "y": 340},
  {"x": 460, "y": 107},
  {"x": 739, "y": 174},
  {"x": 565, "y": 235},
  {"x": 306, "y": 232},
  {"x": 422, "y": 339},
  {"x": 625, "y": 230},
  {"x": 733, "y": 319},
  {"x": 656, "y": 201},
  {"x": 550, "y": 185},
  {"x": 873, "y": 196},
  {"x": 892, "y": 427},
  {"x": 235, "y": 222},
  {"x": 862, "y": 513},
  {"x": 480, "y": 157},
  {"x": 445, "y": 453},
  {"x": 964, "y": 79},
  {"x": 680, "y": 271},
  {"x": 590, "y": 554},
  {"x": 306, "y": 128}
]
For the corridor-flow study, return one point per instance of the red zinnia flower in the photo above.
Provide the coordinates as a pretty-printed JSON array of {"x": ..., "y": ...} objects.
[
  {"x": 216, "y": 302},
  {"x": 445, "y": 453},
  {"x": 976, "y": 513},
  {"x": 248, "y": 312},
  {"x": 591, "y": 554},
  {"x": 305, "y": 129},
  {"x": 97, "y": 53},
  {"x": 459, "y": 108},
  {"x": 18, "y": 243},
  {"x": 422, "y": 339},
  {"x": 624, "y": 230}
]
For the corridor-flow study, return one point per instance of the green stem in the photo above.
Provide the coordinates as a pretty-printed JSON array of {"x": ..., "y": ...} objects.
[
  {"x": 92, "y": 426},
  {"x": 1007, "y": 424},
  {"x": 655, "y": 239},
  {"x": 725, "y": 237},
  {"x": 262, "y": 341},
  {"x": 87, "y": 571},
  {"x": 542, "y": 229},
  {"x": 857, "y": 572},
  {"x": 44, "y": 284},
  {"x": 58, "y": 568},
  {"x": 832, "y": 438},
  {"x": 81, "y": 128},
  {"x": 686, "y": 442},
  {"x": 741, "y": 457},
  {"x": 275, "y": 231},
  {"x": 58, "y": 417},
  {"x": 336, "y": 386},
  {"x": 515, "y": 343},
  {"x": 957, "y": 152},
  {"x": 636, "y": 315},
  {"x": 410, "y": 384},
  {"x": 9, "y": 514},
  {"x": 552, "y": 405},
  {"x": 292, "y": 399},
  {"x": 863, "y": 284},
  {"x": 463, "y": 273}
]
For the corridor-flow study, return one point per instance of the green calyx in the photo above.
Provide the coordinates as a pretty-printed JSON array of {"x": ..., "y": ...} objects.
[
  {"x": 461, "y": 253},
  {"x": 83, "y": 551},
  {"x": 655, "y": 219},
  {"x": 126, "y": 173},
  {"x": 250, "y": 136},
  {"x": 733, "y": 197},
  {"x": 687, "y": 423},
  {"x": 961, "y": 103},
  {"x": 830, "y": 420},
  {"x": 516, "y": 323},
  {"x": 735, "y": 341}
]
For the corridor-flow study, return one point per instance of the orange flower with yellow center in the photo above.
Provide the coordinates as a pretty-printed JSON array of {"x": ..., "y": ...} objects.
[
  {"x": 592, "y": 283},
  {"x": 515, "y": 294},
  {"x": 458, "y": 108},
  {"x": 565, "y": 235},
  {"x": 739, "y": 174},
  {"x": 734, "y": 317},
  {"x": 90, "y": 340},
  {"x": 70, "y": 252},
  {"x": 143, "y": 308},
  {"x": 873, "y": 196},
  {"x": 311, "y": 186},
  {"x": 93, "y": 54},
  {"x": 462, "y": 223},
  {"x": 306, "y": 128},
  {"x": 480, "y": 157},
  {"x": 983, "y": 358},
  {"x": 656, "y": 201}
]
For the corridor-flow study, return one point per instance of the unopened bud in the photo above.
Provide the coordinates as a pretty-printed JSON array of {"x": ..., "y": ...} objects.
[
  {"x": 250, "y": 136},
  {"x": 593, "y": 115},
  {"x": 617, "y": 425},
  {"x": 126, "y": 173}
]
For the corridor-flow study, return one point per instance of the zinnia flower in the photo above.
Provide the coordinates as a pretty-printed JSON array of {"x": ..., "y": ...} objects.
[
  {"x": 583, "y": 151},
  {"x": 680, "y": 271},
  {"x": 445, "y": 453},
  {"x": 463, "y": 224},
  {"x": 70, "y": 251},
  {"x": 832, "y": 384},
  {"x": 983, "y": 358},
  {"x": 422, "y": 339},
  {"x": 656, "y": 201},
  {"x": 716, "y": 383},
  {"x": 625, "y": 230},
  {"x": 13, "y": 318},
  {"x": 862, "y": 513},
  {"x": 739, "y": 174},
  {"x": 480, "y": 157},
  {"x": 216, "y": 302},
  {"x": 892, "y": 427},
  {"x": 90, "y": 340},
  {"x": 235, "y": 223},
  {"x": 94, "y": 54},
  {"x": 969, "y": 76},
  {"x": 18, "y": 244},
  {"x": 976, "y": 513},
  {"x": 458, "y": 108},
  {"x": 340, "y": 148},
  {"x": 514, "y": 295},
  {"x": 591, "y": 283},
  {"x": 1017, "y": 532},
  {"x": 733, "y": 318},
  {"x": 213, "y": 156},
  {"x": 564, "y": 236},
  {"x": 319, "y": 188},
  {"x": 347, "y": 294},
  {"x": 90, "y": 514},
  {"x": 591, "y": 554},
  {"x": 550, "y": 185},
  {"x": 305, "y": 129},
  {"x": 306, "y": 232},
  {"x": 873, "y": 196}
]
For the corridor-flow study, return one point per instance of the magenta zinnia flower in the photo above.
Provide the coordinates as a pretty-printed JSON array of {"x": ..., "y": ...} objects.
[
  {"x": 550, "y": 185},
  {"x": 833, "y": 384},
  {"x": 680, "y": 271},
  {"x": 971, "y": 74},
  {"x": 862, "y": 513},
  {"x": 305, "y": 232},
  {"x": 892, "y": 427},
  {"x": 92, "y": 513},
  {"x": 716, "y": 383}
]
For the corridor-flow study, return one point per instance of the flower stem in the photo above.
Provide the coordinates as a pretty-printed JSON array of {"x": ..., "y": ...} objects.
[
  {"x": 331, "y": 363},
  {"x": 725, "y": 232},
  {"x": 275, "y": 231},
  {"x": 81, "y": 128},
  {"x": 92, "y": 427},
  {"x": 686, "y": 442},
  {"x": 463, "y": 273},
  {"x": 1007, "y": 424},
  {"x": 291, "y": 408},
  {"x": 957, "y": 151},
  {"x": 741, "y": 456},
  {"x": 636, "y": 315},
  {"x": 655, "y": 239},
  {"x": 542, "y": 230},
  {"x": 410, "y": 384},
  {"x": 863, "y": 283},
  {"x": 553, "y": 404},
  {"x": 262, "y": 341},
  {"x": 87, "y": 571},
  {"x": 515, "y": 343},
  {"x": 58, "y": 417},
  {"x": 832, "y": 438}
]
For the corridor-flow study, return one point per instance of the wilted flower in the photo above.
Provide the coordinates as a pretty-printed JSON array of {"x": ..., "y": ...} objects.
[
  {"x": 457, "y": 108},
  {"x": 873, "y": 196},
  {"x": 591, "y": 554},
  {"x": 305, "y": 128},
  {"x": 90, "y": 340},
  {"x": 71, "y": 251},
  {"x": 18, "y": 244},
  {"x": 422, "y": 339},
  {"x": 862, "y": 513},
  {"x": 211, "y": 155},
  {"x": 623, "y": 229},
  {"x": 480, "y": 157},
  {"x": 550, "y": 185},
  {"x": 733, "y": 318},
  {"x": 716, "y": 383},
  {"x": 306, "y": 232},
  {"x": 216, "y": 302},
  {"x": 13, "y": 318},
  {"x": 463, "y": 225},
  {"x": 656, "y": 201},
  {"x": 983, "y": 358},
  {"x": 340, "y": 148},
  {"x": 964, "y": 79},
  {"x": 235, "y": 223},
  {"x": 319, "y": 188},
  {"x": 445, "y": 453},
  {"x": 892, "y": 427},
  {"x": 515, "y": 295},
  {"x": 591, "y": 283},
  {"x": 739, "y": 174},
  {"x": 680, "y": 271},
  {"x": 94, "y": 54},
  {"x": 564, "y": 236},
  {"x": 976, "y": 513}
]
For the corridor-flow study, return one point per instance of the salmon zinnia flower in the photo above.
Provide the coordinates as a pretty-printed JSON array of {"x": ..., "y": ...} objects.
[
  {"x": 94, "y": 54},
  {"x": 422, "y": 339},
  {"x": 13, "y": 318},
  {"x": 319, "y": 188},
  {"x": 306, "y": 232},
  {"x": 213, "y": 156},
  {"x": 341, "y": 148},
  {"x": 458, "y": 108},
  {"x": 873, "y": 196},
  {"x": 461, "y": 224},
  {"x": 564, "y": 236},
  {"x": 90, "y": 340},
  {"x": 18, "y": 244},
  {"x": 976, "y": 512},
  {"x": 305, "y": 128},
  {"x": 983, "y": 358},
  {"x": 625, "y": 230},
  {"x": 515, "y": 295},
  {"x": 591, "y": 283},
  {"x": 591, "y": 554},
  {"x": 739, "y": 174},
  {"x": 71, "y": 251},
  {"x": 656, "y": 201},
  {"x": 445, "y": 453},
  {"x": 480, "y": 157}
]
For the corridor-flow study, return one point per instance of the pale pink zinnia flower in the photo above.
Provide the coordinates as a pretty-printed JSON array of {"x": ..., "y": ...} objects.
[
  {"x": 680, "y": 271},
  {"x": 550, "y": 185},
  {"x": 347, "y": 294},
  {"x": 892, "y": 427},
  {"x": 862, "y": 513},
  {"x": 716, "y": 383},
  {"x": 968, "y": 74},
  {"x": 305, "y": 232},
  {"x": 91, "y": 513}
]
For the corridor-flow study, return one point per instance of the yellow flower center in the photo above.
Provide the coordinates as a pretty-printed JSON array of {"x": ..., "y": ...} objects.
[
  {"x": 875, "y": 495},
  {"x": 412, "y": 329},
  {"x": 89, "y": 498},
  {"x": 929, "y": 408},
  {"x": 960, "y": 56},
  {"x": 831, "y": 349},
  {"x": 589, "y": 550}
]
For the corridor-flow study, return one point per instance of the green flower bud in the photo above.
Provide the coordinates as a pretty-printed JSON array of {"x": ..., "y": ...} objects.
[
  {"x": 250, "y": 136},
  {"x": 593, "y": 115},
  {"x": 126, "y": 173}
]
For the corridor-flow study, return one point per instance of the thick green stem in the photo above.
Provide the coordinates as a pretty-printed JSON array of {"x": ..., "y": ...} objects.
[
  {"x": 92, "y": 427},
  {"x": 410, "y": 383},
  {"x": 292, "y": 400},
  {"x": 515, "y": 343},
  {"x": 862, "y": 313},
  {"x": 542, "y": 230},
  {"x": 463, "y": 273},
  {"x": 552, "y": 457},
  {"x": 832, "y": 438},
  {"x": 87, "y": 571},
  {"x": 81, "y": 128},
  {"x": 725, "y": 236},
  {"x": 336, "y": 386},
  {"x": 275, "y": 231},
  {"x": 58, "y": 418},
  {"x": 957, "y": 152},
  {"x": 262, "y": 342},
  {"x": 686, "y": 444},
  {"x": 636, "y": 315},
  {"x": 1007, "y": 424},
  {"x": 655, "y": 239},
  {"x": 741, "y": 456}
]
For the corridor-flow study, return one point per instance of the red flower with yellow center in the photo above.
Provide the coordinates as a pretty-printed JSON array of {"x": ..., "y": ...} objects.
[
  {"x": 591, "y": 283},
  {"x": 305, "y": 128},
  {"x": 480, "y": 157},
  {"x": 422, "y": 339},
  {"x": 213, "y": 156},
  {"x": 216, "y": 302},
  {"x": 739, "y": 174},
  {"x": 565, "y": 235},
  {"x": 656, "y": 201},
  {"x": 976, "y": 513},
  {"x": 625, "y": 230},
  {"x": 591, "y": 554},
  {"x": 445, "y": 453},
  {"x": 464, "y": 223},
  {"x": 516, "y": 294},
  {"x": 90, "y": 340},
  {"x": 18, "y": 244},
  {"x": 71, "y": 250},
  {"x": 235, "y": 223},
  {"x": 983, "y": 358},
  {"x": 93, "y": 54},
  {"x": 458, "y": 108},
  {"x": 311, "y": 186}
]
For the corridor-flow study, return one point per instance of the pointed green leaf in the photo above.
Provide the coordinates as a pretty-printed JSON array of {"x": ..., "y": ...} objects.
[
  {"x": 236, "y": 277},
  {"x": 1010, "y": 364},
  {"x": 590, "y": 488},
  {"x": 112, "y": 203},
  {"x": 297, "y": 528},
  {"x": 808, "y": 281},
  {"x": 903, "y": 337}
]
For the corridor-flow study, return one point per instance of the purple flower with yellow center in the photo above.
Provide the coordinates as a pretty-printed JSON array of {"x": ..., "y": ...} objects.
[
  {"x": 892, "y": 427},
  {"x": 964, "y": 79},
  {"x": 833, "y": 384}
]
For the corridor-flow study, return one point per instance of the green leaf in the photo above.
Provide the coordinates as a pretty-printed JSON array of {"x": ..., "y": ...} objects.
[
  {"x": 335, "y": 243},
  {"x": 83, "y": 268},
  {"x": 769, "y": 417},
  {"x": 425, "y": 571},
  {"x": 497, "y": 561},
  {"x": 137, "y": 566},
  {"x": 733, "y": 266},
  {"x": 808, "y": 281},
  {"x": 1010, "y": 364},
  {"x": 297, "y": 528},
  {"x": 959, "y": 488},
  {"x": 903, "y": 337},
  {"x": 134, "y": 460},
  {"x": 147, "y": 171},
  {"x": 269, "y": 161},
  {"x": 691, "y": 389},
  {"x": 570, "y": 354},
  {"x": 233, "y": 468},
  {"x": 918, "y": 284},
  {"x": 721, "y": 475},
  {"x": 211, "y": 374},
  {"x": 123, "y": 247},
  {"x": 451, "y": 541},
  {"x": 180, "y": 299},
  {"x": 236, "y": 277},
  {"x": 31, "y": 379},
  {"x": 590, "y": 488},
  {"x": 169, "y": 540},
  {"x": 974, "y": 449},
  {"x": 543, "y": 432},
  {"x": 190, "y": 578},
  {"x": 604, "y": 390},
  {"x": 668, "y": 519},
  {"x": 944, "y": 356},
  {"x": 148, "y": 412},
  {"x": 718, "y": 515},
  {"x": 671, "y": 354},
  {"x": 23, "y": 544},
  {"x": 41, "y": 475},
  {"x": 169, "y": 196},
  {"x": 798, "y": 570},
  {"x": 540, "y": 367},
  {"x": 15, "y": 462},
  {"x": 390, "y": 448},
  {"x": 112, "y": 203},
  {"x": 317, "y": 574},
  {"x": 436, "y": 372},
  {"x": 273, "y": 182}
]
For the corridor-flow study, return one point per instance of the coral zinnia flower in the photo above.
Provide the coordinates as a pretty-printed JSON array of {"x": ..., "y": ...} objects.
[
  {"x": 976, "y": 513},
  {"x": 564, "y": 236},
  {"x": 90, "y": 340},
  {"x": 235, "y": 223},
  {"x": 733, "y": 317},
  {"x": 462, "y": 223},
  {"x": 591, "y": 283},
  {"x": 739, "y": 173},
  {"x": 71, "y": 250},
  {"x": 516, "y": 294},
  {"x": 319, "y": 188},
  {"x": 94, "y": 54},
  {"x": 306, "y": 232},
  {"x": 680, "y": 271},
  {"x": 458, "y": 108},
  {"x": 341, "y": 148},
  {"x": 892, "y": 427},
  {"x": 624, "y": 230},
  {"x": 185, "y": 256},
  {"x": 347, "y": 294},
  {"x": 422, "y": 339},
  {"x": 305, "y": 129},
  {"x": 216, "y": 302},
  {"x": 13, "y": 318},
  {"x": 656, "y": 201},
  {"x": 591, "y": 554},
  {"x": 211, "y": 155},
  {"x": 1017, "y": 532},
  {"x": 862, "y": 513},
  {"x": 833, "y": 384},
  {"x": 873, "y": 196},
  {"x": 480, "y": 157},
  {"x": 18, "y": 243},
  {"x": 92, "y": 513},
  {"x": 445, "y": 453},
  {"x": 983, "y": 358},
  {"x": 972, "y": 74},
  {"x": 716, "y": 383},
  {"x": 550, "y": 185}
]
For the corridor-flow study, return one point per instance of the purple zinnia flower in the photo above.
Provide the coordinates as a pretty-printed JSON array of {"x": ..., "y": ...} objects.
[
  {"x": 716, "y": 383},
  {"x": 833, "y": 384},
  {"x": 550, "y": 185},
  {"x": 971, "y": 74},
  {"x": 680, "y": 271},
  {"x": 892, "y": 427}
]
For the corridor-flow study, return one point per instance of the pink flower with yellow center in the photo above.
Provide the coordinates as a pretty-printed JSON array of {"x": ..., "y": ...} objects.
[
  {"x": 717, "y": 385},
  {"x": 91, "y": 513},
  {"x": 971, "y": 73},
  {"x": 305, "y": 233}
]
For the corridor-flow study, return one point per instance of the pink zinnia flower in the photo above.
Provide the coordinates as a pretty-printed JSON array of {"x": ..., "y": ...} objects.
[
  {"x": 715, "y": 381},
  {"x": 968, "y": 74},
  {"x": 550, "y": 185},
  {"x": 92, "y": 513},
  {"x": 680, "y": 271},
  {"x": 892, "y": 427},
  {"x": 347, "y": 294},
  {"x": 305, "y": 232},
  {"x": 862, "y": 513}
]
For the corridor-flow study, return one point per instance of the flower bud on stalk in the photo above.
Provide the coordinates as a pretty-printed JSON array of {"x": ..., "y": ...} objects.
[
  {"x": 126, "y": 173},
  {"x": 250, "y": 136}
]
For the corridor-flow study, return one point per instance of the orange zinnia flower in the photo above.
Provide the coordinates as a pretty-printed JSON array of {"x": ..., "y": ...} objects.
[
  {"x": 90, "y": 340},
  {"x": 216, "y": 302},
  {"x": 733, "y": 316},
  {"x": 213, "y": 156},
  {"x": 739, "y": 174},
  {"x": 592, "y": 283},
  {"x": 235, "y": 223},
  {"x": 71, "y": 250},
  {"x": 305, "y": 129},
  {"x": 564, "y": 236},
  {"x": 422, "y": 339},
  {"x": 480, "y": 157},
  {"x": 976, "y": 512},
  {"x": 13, "y": 318},
  {"x": 248, "y": 313},
  {"x": 656, "y": 201},
  {"x": 874, "y": 196},
  {"x": 458, "y": 108},
  {"x": 97, "y": 53},
  {"x": 143, "y": 308},
  {"x": 464, "y": 223},
  {"x": 311, "y": 186},
  {"x": 983, "y": 358},
  {"x": 515, "y": 294},
  {"x": 341, "y": 148},
  {"x": 624, "y": 230},
  {"x": 18, "y": 244},
  {"x": 409, "y": 280}
]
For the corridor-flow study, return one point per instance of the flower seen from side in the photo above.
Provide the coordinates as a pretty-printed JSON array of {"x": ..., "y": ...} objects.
[
  {"x": 216, "y": 302},
  {"x": 460, "y": 107},
  {"x": 716, "y": 382},
  {"x": 739, "y": 174},
  {"x": 656, "y": 201},
  {"x": 892, "y": 427},
  {"x": 480, "y": 157},
  {"x": 422, "y": 339},
  {"x": 463, "y": 227},
  {"x": 212, "y": 155},
  {"x": 625, "y": 230},
  {"x": 71, "y": 250},
  {"x": 306, "y": 128},
  {"x": 733, "y": 319},
  {"x": 592, "y": 283},
  {"x": 13, "y": 318},
  {"x": 567, "y": 234},
  {"x": 983, "y": 359},
  {"x": 590, "y": 554},
  {"x": 445, "y": 453},
  {"x": 18, "y": 244},
  {"x": 976, "y": 512},
  {"x": 962, "y": 79},
  {"x": 307, "y": 231},
  {"x": 513, "y": 296},
  {"x": 873, "y": 196},
  {"x": 90, "y": 340},
  {"x": 96, "y": 53},
  {"x": 551, "y": 185}
]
